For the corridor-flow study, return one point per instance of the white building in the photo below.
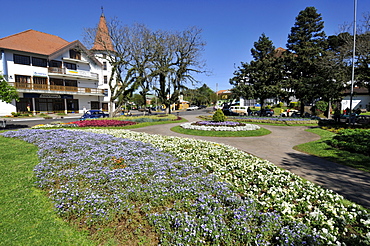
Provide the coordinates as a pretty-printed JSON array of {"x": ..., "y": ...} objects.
[{"x": 53, "y": 75}]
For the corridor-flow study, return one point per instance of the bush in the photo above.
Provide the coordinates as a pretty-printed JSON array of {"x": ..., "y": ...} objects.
[
  {"x": 219, "y": 116},
  {"x": 294, "y": 105},
  {"x": 322, "y": 106},
  {"x": 352, "y": 140}
]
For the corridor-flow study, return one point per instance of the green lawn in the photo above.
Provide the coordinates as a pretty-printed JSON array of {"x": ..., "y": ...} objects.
[
  {"x": 27, "y": 215},
  {"x": 322, "y": 149}
]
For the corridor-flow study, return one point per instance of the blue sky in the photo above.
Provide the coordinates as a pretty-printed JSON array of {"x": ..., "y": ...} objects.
[{"x": 230, "y": 27}]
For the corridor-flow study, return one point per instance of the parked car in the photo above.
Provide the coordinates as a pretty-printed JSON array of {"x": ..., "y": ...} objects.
[
  {"x": 290, "y": 113},
  {"x": 363, "y": 119},
  {"x": 202, "y": 106},
  {"x": 265, "y": 112},
  {"x": 191, "y": 108},
  {"x": 91, "y": 114},
  {"x": 346, "y": 118},
  {"x": 229, "y": 112},
  {"x": 242, "y": 110}
]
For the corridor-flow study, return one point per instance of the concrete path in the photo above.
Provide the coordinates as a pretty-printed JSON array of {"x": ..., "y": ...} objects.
[{"x": 277, "y": 147}]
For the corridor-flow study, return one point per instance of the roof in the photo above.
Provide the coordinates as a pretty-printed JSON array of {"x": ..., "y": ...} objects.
[
  {"x": 357, "y": 90},
  {"x": 102, "y": 38},
  {"x": 34, "y": 42},
  {"x": 223, "y": 92},
  {"x": 279, "y": 51}
]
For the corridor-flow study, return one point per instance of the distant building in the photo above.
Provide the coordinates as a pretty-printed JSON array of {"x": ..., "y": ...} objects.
[
  {"x": 360, "y": 99},
  {"x": 53, "y": 75}
]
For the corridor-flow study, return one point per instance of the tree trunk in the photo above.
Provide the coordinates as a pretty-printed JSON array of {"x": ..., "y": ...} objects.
[
  {"x": 329, "y": 109},
  {"x": 301, "y": 110}
]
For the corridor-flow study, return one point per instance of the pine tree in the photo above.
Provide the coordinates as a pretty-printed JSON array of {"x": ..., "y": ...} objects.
[
  {"x": 261, "y": 78},
  {"x": 307, "y": 44}
]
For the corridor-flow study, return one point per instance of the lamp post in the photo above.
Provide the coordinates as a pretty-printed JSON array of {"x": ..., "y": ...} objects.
[{"x": 351, "y": 116}]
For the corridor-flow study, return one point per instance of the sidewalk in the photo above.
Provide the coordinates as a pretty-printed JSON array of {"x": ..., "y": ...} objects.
[
  {"x": 277, "y": 148},
  {"x": 53, "y": 116}
]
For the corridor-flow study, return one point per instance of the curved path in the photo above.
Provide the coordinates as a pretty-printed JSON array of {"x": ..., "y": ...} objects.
[{"x": 277, "y": 147}]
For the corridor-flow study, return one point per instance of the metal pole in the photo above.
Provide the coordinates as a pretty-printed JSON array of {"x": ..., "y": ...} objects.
[{"x": 353, "y": 64}]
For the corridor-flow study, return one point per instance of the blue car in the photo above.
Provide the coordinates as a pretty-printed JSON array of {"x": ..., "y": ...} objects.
[{"x": 91, "y": 114}]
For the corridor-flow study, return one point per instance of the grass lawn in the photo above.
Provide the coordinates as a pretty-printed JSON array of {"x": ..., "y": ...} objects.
[
  {"x": 27, "y": 215},
  {"x": 253, "y": 133},
  {"x": 322, "y": 149}
]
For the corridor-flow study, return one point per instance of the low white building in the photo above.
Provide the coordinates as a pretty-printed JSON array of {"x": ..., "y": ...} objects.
[
  {"x": 360, "y": 99},
  {"x": 53, "y": 75}
]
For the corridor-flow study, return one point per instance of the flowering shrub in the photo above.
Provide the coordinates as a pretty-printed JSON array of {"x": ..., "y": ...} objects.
[
  {"x": 87, "y": 123},
  {"x": 219, "y": 126},
  {"x": 321, "y": 210},
  {"x": 99, "y": 180}
]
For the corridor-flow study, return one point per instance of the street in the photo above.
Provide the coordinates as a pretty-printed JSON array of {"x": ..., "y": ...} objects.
[{"x": 18, "y": 123}]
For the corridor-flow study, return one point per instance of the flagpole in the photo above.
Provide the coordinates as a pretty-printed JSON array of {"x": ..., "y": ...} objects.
[{"x": 353, "y": 64}]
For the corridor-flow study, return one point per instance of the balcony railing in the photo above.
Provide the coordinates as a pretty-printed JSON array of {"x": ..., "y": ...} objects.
[
  {"x": 54, "y": 88},
  {"x": 73, "y": 73}
]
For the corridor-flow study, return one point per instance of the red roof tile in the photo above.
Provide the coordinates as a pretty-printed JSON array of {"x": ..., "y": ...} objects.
[{"x": 34, "y": 42}]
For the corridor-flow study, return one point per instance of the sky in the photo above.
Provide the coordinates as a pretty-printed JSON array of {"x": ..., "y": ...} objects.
[{"x": 229, "y": 27}]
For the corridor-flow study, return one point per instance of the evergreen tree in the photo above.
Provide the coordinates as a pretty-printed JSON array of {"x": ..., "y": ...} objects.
[
  {"x": 307, "y": 44},
  {"x": 261, "y": 78}
]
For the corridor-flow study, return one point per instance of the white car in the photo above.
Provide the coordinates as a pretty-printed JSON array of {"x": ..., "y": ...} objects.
[
  {"x": 286, "y": 113},
  {"x": 193, "y": 107}
]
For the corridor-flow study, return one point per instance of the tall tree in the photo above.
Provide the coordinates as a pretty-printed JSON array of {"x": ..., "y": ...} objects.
[
  {"x": 362, "y": 51},
  {"x": 7, "y": 92},
  {"x": 200, "y": 96},
  {"x": 307, "y": 44},
  {"x": 115, "y": 41},
  {"x": 176, "y": 60},
  {"x": 261, "y": 78},
  {"x": 142, "y": 58}
]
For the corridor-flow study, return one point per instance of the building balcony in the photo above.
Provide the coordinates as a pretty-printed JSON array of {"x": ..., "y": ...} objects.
[
  {"x": 44, "y": 88},
  {"x": 76, "y": 74}
]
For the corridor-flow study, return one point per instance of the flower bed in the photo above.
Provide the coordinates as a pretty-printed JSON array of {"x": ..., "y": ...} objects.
[
  {"x": 283, "y": 120},
  {"x": 219, "y": 126},
  {"x": 304, "y": 208},
  {"x": 98, "y": 180},
  {"x": 88, "y": 123},
  {"x": 102, "y": 123},
  {"x": 322, "y": 210}
]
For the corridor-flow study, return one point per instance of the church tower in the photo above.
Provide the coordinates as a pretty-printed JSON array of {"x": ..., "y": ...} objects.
[{"x": 102, "y": 49}]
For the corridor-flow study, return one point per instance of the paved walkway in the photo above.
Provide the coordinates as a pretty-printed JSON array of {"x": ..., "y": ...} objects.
[{"x": 277, "y": 147}]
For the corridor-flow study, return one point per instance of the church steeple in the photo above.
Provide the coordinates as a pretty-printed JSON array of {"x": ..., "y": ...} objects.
[{"x": 102, "y": 39}]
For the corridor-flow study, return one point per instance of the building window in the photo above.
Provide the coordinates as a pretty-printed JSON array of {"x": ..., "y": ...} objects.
[
  {"x": 56, "y": 81},
  {"x": 70, "y": 83},
  {"x": 40, "y": 80},
  {"x": 54, "y": 63},
  {"x": 105, "y": 79},
  {"x": 19, "y": 59},
  {"x": 22, "y": 79},
  {"x": 105, "y": 92},
  {"x": 39, "y": 62},
  {"x": 104, "y": 65},
  {"x": 75, "y": 54},
  {"x": 70, "y": 66},
  {"x": 104, "y": 56}
]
